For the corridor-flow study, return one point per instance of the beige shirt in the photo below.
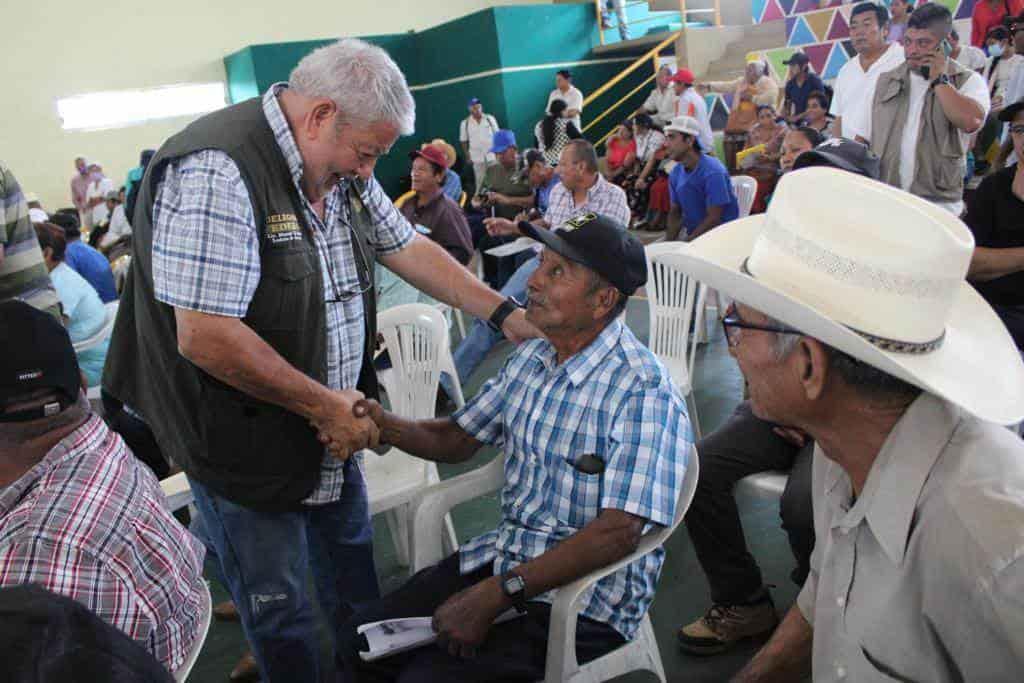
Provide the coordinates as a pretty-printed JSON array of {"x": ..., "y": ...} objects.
[
  {"x": 922, "y": 578},
  {"x": 766, "y": 90}
]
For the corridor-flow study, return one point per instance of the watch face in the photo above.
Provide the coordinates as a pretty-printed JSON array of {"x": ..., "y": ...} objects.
[{"x": 514, "y": 584}]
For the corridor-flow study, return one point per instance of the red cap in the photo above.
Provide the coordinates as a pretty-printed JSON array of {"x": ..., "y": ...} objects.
[
  {"x": 683, "y": 76},
  {"x": 433, "y": 154}
]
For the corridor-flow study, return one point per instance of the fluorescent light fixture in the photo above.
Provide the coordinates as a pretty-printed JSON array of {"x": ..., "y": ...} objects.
[{"x": 120, "y": 108}]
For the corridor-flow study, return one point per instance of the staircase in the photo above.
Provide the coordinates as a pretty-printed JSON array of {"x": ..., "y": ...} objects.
[{"x": 733, "y": 59}]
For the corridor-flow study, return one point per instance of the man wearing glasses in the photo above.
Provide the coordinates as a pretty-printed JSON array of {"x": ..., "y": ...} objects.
[{"x": 249, "y": 323}]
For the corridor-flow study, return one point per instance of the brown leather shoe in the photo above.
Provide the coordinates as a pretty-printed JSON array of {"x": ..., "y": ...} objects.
[
  {"x": 722, "y": 626},
  {"x": 246, "y": 669},
  {"x": 226, "y": 611}
]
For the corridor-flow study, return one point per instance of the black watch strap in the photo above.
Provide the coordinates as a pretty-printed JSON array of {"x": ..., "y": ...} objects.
[
  {"x": 503, "y": 311},
  {"x": 941, "y": 80}
]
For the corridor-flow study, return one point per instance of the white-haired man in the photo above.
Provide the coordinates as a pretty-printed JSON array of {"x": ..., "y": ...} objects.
[
  {"x": 248, "y": 323},
  {"x": 880, "y": 350}
]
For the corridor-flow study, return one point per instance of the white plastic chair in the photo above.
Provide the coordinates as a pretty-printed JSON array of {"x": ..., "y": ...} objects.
[
  {"x": 745, "y": 188},
  {"x": 178, "y": 495},
  {"x": 561, "y": 666},
  {"x": 119, "y": 267},
  {"x": 674, "y": 300},
  {"x": 416, "y": 337}
]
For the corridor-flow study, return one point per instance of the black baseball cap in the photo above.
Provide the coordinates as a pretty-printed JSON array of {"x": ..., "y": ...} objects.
[
  {"x": 798, "y": 58},
  {"x": 599, "y": 243},
  {"x": 848, "y": 155},
  {"x": 37, "y": 354},
  {"x": 1007, "y": 114}
]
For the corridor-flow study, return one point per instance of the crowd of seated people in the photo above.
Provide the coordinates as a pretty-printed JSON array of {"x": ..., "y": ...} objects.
[{"x": 904, "y": 114}]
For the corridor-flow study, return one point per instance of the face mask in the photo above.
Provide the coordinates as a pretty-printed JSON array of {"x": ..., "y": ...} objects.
[{"x": 995, "y": 50}]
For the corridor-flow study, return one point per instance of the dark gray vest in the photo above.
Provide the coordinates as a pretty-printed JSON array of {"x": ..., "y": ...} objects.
[{"x": 251, "y": 452}]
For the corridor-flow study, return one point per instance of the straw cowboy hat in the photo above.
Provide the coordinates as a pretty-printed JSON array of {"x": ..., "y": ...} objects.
[{"x": 876, "y": 273}]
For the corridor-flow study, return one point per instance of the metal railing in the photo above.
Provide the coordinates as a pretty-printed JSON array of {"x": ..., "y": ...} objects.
[{"x": 601, "y": 10}]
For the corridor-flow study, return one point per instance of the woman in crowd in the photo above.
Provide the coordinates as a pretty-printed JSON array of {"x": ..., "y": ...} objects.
[
  {"x": 760, "y": 159},
  {"x": 554, "y": 131},
  {"x": 900, "y": 11},
  {"x": 817, "y": 116},
  {"x": 796, "y": 142},
  {"x": 84, "y": 313},
  {"x": 621, "y": 159},
  {"x": 648, "y": 141}
]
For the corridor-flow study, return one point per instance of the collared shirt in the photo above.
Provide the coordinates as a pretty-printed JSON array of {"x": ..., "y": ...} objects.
[
  {"x": 855, "y": 91},
  {"x": 23, "y": 273},
  {"x": 88, "y": 522},
  {"x": 542, "y": 194},
  {"x": 799, "y": 94},
  {"x": 605, "y": 429},
  {"x": 478, "y": 135},
  {"x": 603, "y": 197},
  {"x": 648, "y": 143},
  {"x": 445, "y": 221},
  {"x": 998, "y": 74},
  {"x": 971, "y": 58},
  {"x": 920, "y": 578},
  {"x": 206, "y": 252},
  {"x": 661, "y": 104},
  {"x": 511, "y": 182},
  {"x": 573, "y": 99},
  {"x": 690, "y": 103},
  {"x": 98, "y": 189}
]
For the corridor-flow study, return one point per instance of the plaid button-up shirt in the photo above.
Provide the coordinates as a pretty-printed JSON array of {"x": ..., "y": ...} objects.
[
  {"x": 604, "y": 197},
  {"x": 88, "y": 522},
  {"x": 613, "y": 401},
  {"x": 206, "y": 252}
]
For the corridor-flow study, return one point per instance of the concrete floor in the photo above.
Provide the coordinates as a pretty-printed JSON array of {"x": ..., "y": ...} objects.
[{"x": 682, "y": 592}]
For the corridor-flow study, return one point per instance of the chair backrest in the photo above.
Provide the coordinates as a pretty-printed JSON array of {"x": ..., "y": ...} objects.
[
  {"x": 414, "y": 335},
  {"x": 119, "y": 267},
  {"x": 403, "y": 199},
  {"x": 745, "y": 188},
  {"x": 104, "y": 332},
  {"x": 462, "y": 200},
  {"x": 674, "y": 300}
]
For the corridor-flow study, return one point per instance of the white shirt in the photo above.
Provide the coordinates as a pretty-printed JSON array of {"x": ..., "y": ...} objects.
[
  {"x": 662, "y": 103},
  {"x": 479, "y": 135},
  {"x": 99, "y": 188},
  {"x": 974, "y": 87},
  {"x": 692, "y": 104},
  {"x": 573, "y": 100},
  {"x": 119, "y": 227},
  {"x": 1004, "y": 71},
  {"x": 855, "y": 91},
  {"x": 971, "y": 58}
]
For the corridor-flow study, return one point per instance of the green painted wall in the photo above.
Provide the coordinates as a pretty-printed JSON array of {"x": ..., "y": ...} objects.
[{"x": 477, "y": 46}]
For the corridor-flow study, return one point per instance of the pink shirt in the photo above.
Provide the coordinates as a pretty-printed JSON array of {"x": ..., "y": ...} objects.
[{"x": 79, "y": 186}]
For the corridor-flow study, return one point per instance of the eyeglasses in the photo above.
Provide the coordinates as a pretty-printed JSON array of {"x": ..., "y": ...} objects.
[
  {"x": 341, "y": 297},
  {"x": 1017, "y": 129},
  {"x": 732, "y": 323}
]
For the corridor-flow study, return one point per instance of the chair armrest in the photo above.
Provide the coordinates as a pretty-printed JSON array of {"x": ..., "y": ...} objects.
[{"x": 429, "y": 507}]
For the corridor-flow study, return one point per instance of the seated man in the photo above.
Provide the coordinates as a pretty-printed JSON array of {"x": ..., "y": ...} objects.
[
  {"x": 741, "y": 606},
  {"x": 918, "y": 567},
  {"x": 595, "y": 437},
  {"x": 79, "y": 515}
]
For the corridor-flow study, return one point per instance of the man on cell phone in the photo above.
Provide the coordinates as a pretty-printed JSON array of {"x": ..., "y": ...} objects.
[{"x": 925, "y": 110}]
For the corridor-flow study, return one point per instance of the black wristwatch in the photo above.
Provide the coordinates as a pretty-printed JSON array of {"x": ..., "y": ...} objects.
[
  {"x": 514, "y": 587},
  {"x": 941, "y": 80},
  {"x": 503, "y": 311}
]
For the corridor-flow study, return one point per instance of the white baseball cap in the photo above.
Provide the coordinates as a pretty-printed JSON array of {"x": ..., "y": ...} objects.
[{"x": 684, "y": 124}]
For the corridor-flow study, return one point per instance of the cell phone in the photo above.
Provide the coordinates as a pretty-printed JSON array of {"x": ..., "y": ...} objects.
[{"x": 946, "y": 49}]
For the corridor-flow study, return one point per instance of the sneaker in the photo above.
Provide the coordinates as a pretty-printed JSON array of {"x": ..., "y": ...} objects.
[{"x": 722, "y": 626}]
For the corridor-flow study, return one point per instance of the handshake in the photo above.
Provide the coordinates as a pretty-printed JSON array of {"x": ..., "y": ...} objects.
[{"x": 350, "y": 423}]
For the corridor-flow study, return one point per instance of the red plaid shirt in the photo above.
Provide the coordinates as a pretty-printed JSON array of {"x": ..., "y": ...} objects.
[{"x": 88, "y": 521}]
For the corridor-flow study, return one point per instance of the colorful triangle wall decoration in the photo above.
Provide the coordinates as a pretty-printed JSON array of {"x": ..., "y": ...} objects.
[
  {"x": 787, "y": 6},
  {"x": 772, "y": 11},
  {"x": 757, "y": 9},
  {"x": 848, "y": 46},
  {"x": 802, "y": 34},
  {"x": 966, "y": 9},
  {"x": 806, "y": 6},
  {"x": 840, "y": 28},
  {"x": 775, "y": 60},
  {"x": 836, "y": 61},
  {"x": 719, "y": 114},
  {"x": 951, "y": 5},
  {"x": 818, "y": 54},
  {"x": 819, "y": 23}
]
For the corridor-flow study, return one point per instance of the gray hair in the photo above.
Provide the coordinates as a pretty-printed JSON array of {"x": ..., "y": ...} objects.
[
  {"x": 866, "y": 380},
  {"x": 362, "y": 80}
]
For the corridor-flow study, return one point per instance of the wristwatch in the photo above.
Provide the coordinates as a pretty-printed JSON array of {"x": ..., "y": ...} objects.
[
  {"x": 941, "y": 80},
  {"x": 503, "y": 311},
  {"x": 514, "y": 587}
]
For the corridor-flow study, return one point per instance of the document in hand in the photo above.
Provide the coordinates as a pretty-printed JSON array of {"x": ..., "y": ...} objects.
[{"x": 391, "y": 636}]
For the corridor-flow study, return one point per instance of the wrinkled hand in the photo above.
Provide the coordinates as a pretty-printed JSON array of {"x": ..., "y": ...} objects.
[
  {"x": 340, "y": 430},
  {"x": 797, "y": 437},
  {"x": 463, "y": 621},
  {"x": 497, "y": 227},
  {"x": 518, "y": 329}
]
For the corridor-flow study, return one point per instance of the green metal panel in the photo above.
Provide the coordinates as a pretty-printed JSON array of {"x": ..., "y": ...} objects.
[
  {"x": 543, "y": 34},
  {"x": 241, "y": 74}
]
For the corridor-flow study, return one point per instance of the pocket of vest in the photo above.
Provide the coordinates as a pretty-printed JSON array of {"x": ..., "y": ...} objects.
[{"x": 287, "y": 290}]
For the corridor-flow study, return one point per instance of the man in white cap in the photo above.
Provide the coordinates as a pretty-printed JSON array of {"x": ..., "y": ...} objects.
[
  {"x": 699, "y": 185},
  {"x": 871, "y": 341}
]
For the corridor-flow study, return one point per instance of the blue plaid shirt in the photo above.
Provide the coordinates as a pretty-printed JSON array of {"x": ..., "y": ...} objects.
[
  {"x": 206, "y": 253},
  {"x": 613, "y": 400}
]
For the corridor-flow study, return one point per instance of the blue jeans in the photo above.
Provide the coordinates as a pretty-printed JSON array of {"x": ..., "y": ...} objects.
[
  {"x": 262, "y": 559},
  {"x": 481, "y": 338}
]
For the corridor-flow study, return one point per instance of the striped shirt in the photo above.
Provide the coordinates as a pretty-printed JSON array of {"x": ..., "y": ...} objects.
[
  {"x": 23, "y": 274},
  {"x": 614, "y": 401},
  {"x": 88, "y": 522},
  {"x": 206, "y": 253}
]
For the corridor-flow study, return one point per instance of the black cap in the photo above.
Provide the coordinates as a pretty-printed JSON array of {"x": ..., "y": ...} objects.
[
  {"x": 1007, "y": 114},
  {"x": 798, "y": 58},
  {"x": 599, "y": 243},
  {"x": 842, "y": 153},
  {"x": 37, "y": 354}
]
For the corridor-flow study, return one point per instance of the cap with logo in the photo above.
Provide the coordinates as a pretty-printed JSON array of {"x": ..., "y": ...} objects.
[
  {"x": 842, "y": 153},
  {"x": 599, "y": 243},
  {"x": 37, "y": 355}
]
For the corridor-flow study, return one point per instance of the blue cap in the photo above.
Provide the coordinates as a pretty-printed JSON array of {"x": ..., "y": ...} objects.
[
  {"x": 472, "y": 101},
  {"x": 503, "y": 139}
]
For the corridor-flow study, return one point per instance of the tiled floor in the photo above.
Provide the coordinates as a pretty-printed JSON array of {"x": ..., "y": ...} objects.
[{"x": 682, "y": 592}]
